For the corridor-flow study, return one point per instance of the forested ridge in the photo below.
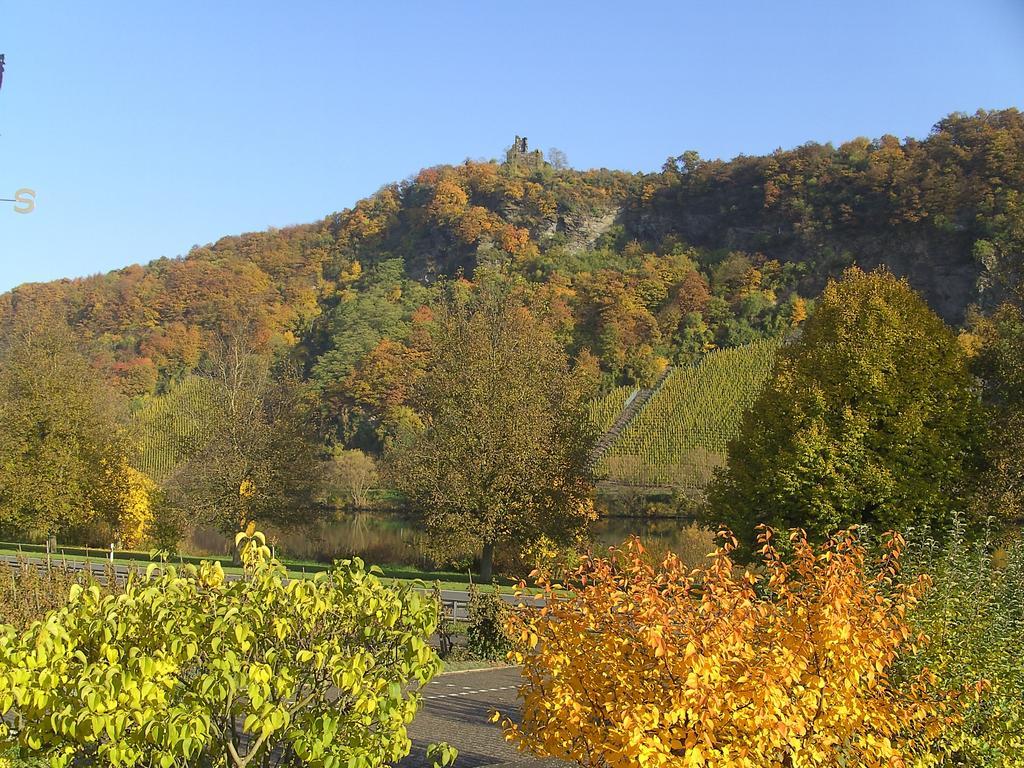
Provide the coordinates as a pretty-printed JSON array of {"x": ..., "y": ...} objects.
[
  {"x": 640, "y": 270},
  {"x": 615, "y": 251}
]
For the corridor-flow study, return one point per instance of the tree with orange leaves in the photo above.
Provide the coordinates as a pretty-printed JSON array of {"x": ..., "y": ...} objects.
[
  {"x": 384, "y": 378},
  {"x": 789, "y": 665}
]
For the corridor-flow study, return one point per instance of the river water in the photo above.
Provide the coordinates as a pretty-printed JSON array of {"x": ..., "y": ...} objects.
[{"x": 394, "y": 539}]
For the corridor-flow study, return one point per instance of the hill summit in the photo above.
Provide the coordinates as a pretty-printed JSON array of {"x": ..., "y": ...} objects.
[{"x": 641, "y": 270}]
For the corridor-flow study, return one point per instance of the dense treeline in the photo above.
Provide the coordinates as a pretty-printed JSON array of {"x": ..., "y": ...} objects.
[{"x": 946, "y": 211}]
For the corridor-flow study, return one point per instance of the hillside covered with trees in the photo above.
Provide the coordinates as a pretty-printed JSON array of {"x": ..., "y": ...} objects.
[
  {"x": 329, "y": 325},
  {"x": 642, "y": 265}
]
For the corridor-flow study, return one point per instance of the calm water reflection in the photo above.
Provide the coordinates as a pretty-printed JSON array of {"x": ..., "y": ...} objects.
[{"x": 395, "y": 539}]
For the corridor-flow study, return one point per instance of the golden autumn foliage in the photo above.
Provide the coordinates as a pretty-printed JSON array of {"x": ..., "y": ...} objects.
[
  {"x": 792, "y": 664},
  {"x": 799, "y": 311},
  {"x": 135, "y": 494},
  {"x": 801, "y": 206},
  {"x": 385, "y": 377},
  {"x": 449, "y": 199},
  {"x": 515, "y": 240},
  {"x": 124, "y": 509},
  {"x": 474, "y": 223}
]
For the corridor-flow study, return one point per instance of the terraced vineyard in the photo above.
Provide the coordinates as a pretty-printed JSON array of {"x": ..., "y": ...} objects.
[
  {"x": 604, "y": 410},
  {"x": 680, "y": 436},
  {"x": 169, "y": 427}
]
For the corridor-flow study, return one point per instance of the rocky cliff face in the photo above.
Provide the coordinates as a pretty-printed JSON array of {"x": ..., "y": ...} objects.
[
  {"x": 940, "y": 265},
  {"x": 941, "y": 269},
  {"x": 583, "y": 231}
]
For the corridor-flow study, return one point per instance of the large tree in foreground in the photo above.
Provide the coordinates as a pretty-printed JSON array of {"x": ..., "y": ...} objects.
[
  {"x": 871, "y": 416},
  {"x": 503, "y": 454}
]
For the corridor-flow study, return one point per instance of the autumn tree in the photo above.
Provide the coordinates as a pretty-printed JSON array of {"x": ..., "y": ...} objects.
[
  {"x": 384, "y": 377},
  {"x": 63, "y": 452},
  {"x": 364, "y": 367},
  {"x": 790, "y": 664},
  {"x": 503, "y": 454},
  {"x": 255, "y": 458},
  {"x": 614, "y": 317},
  {"x": 352, "y": 476},
  {"x": 690, "y": 296},
  {"x": 870, "y": 417}
]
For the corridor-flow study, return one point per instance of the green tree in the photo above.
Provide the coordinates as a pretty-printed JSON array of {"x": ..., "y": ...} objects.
[
  {"x": 871, "y": 416},
  {"x": 503, "y": 455},
  {"x": 62, "y": 448},
  {"x": 255, "y": 459},
  {"x": 1000, "y": 365}
]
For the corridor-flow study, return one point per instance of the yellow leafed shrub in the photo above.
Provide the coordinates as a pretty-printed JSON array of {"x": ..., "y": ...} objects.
[
  {"x": 791, "y": 664},
  {"x": 190, "y": 668},
  {"x": 136, "y": 506}
]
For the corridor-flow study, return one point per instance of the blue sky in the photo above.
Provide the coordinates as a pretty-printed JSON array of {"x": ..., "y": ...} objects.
[{"x": 146, "y": 128}]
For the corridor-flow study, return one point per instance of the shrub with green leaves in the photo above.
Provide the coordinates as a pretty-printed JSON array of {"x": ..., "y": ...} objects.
[
  {"x": 974, "y": 618},
  {"x": 188, "y": 669},
  {"x": 486, "y": 636}
]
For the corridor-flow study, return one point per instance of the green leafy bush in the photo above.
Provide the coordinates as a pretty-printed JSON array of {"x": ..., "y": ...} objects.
[
  {"x": 486, "y": 636},
  {"x": 186, "y": 668},
  {"x": 974, "y": 618}
]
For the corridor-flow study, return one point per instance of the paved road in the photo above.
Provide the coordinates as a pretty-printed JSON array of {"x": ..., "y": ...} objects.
[{"x": 455, "y": 709}]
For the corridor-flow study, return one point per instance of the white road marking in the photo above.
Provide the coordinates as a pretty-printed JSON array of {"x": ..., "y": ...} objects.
[{"x": 471, "y": 692}]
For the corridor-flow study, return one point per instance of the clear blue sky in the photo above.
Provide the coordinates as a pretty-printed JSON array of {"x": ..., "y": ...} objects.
[{"x": 147, "y": 127}]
